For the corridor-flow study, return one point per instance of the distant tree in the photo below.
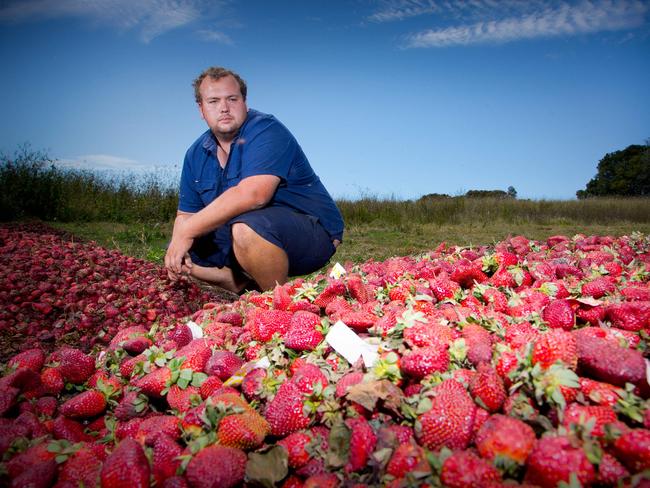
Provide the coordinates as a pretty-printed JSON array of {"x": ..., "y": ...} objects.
[
  {"x": 433, "y": 196},
  {"x": 512, "y": 193},
  {"x": 622, "y": 173},
  {"x": 487, "y": 194}
]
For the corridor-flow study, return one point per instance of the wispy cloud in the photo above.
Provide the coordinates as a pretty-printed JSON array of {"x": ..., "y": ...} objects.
[
  {"x": 150, "y": 18},
  {"x": 103, "y": 162},
  {"x": 490, "y": 21},
  {"x": 210, "y": 35}
]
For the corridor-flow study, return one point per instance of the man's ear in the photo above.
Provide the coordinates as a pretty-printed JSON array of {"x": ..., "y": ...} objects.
[{"x": 200, "y": 107}]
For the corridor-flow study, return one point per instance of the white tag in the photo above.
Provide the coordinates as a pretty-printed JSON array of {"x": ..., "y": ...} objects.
[
  {"x": 197, "y": 331},
  {"x": 349, "y": 345},
  {"x": 238, "y": 377},
  {"x": 337, "y": 271}
]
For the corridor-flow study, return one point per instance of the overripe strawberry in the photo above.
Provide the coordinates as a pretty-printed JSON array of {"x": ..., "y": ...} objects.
[
  {"x": 464, "y": 469},
  {"x": 559, "y": 315},
  {"x": 281, "y": 298},
  {"x": 132, "y": 405},
  {"x": 307, "y": 376},
  {"x": 152, "y": 427},
  {"x": 362, "y": 443},
  {"x": 68, "y": 429},
  {"x": 41, "y": 474},
  {"x": 304, "y": 333},
  {"x": 408, "y": 457},
  {"x": 506, "y": 438},
  {"x": 554, "y": 460},
  {"x": 346, "y": 381},
  {"x": 285, "y": 412},
  {"x": 200, "y": 471},
  {"x": 633, "y": 316},
  {"x": 443, "y": 288},
  {"x": 82, "y": 468},
  {"x": 465, "y": 273},
  {"x": 127, "y": 467},
  {"x": 333, "y": 289},
  {"x": 181, "y": 335},
  {"x": 479, "y": 344}
]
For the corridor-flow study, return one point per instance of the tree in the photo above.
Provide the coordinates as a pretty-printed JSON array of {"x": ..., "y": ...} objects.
[
  {"x": 512, "y": 193},
  {"x": 621, "y": 173}
]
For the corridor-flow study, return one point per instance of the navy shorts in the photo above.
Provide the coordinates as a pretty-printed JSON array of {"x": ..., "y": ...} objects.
[{"x": 307, "y": 244}]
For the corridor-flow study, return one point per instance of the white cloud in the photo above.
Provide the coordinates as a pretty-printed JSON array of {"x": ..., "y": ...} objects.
[
  {"x": 94, "y": 162},
  {"x": 560, "y": 19},
  {"x": 213, "y": 35},
  {"x": 150, "y": 18}
]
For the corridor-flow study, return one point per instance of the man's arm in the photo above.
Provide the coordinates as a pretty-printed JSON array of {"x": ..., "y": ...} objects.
[{"x": 251, "y": 193}]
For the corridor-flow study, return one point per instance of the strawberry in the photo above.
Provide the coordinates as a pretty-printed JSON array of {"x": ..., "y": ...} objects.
[
  {"x": 362, "y": 443},
  {"x": 89, "y": 403},
  {"x": 443, "y": 288},
  {"x": 598, "y": 288},
  {"x": 599, "y": 393},
  {"x": 449, "y": 421},
  {"x": 333, "y": 289},
  {"x": 464, "y": 469},
  {"x": 244, "y": 431},
  {"x": 596, "y": 415},
  {"x": 296, "y": 445},
  {"x": 487, "y": 388},
  {"x": 127, "y": 466},
  {"x": 285, "y": 412},
  {"x": 307, "y": 376},
  {"x": 347, "y": 380},
  {"x": 201, "y": 472},
  {"x": 266, "y": 323},
  {"x": 152, "y": 384},
  {"x": 196, "y": 354},
  {"x": 128, "y": 365},
  {"x": 559, "y": 315},
  {"x": 610, "y": 471},
  {"x": 357, "y": 289},
  {"x": 633, "y": 316},
  {"x": 428, "y": 334},
  {"x": 604, "y": 360},
  {"x": 223, "y": 364},
  {"x": 322, "y": 480},
  {"x": 408, "y": 457},
  {"x": 152, "y": 427},
  {"x": 83, "y": 468},
  {"x": 132, "y": 405},
  {"x": 181, "y": 399},
  {"x": 52, "y": 380},
  {"x": 632, "y": 448},
  {"x": 41, "y": 474},
  {"x": 555, "y": 345},
  {"x": 46, "y": 406},
  {"x": 479, "y": 344},
  {"x": 633, "y": 292},
  {"x": 554, "y": 460},
  {"x": 68, "y": 429},
  {"x": 503, "y": 278},
  {"x": 506, "y": 438},
  {"x": 229, "y": 317},
  {"x": 181, "y": 335},
  {"x": 420, "y": 362},
  {"x": 165, "y": 459},
  {"x": 8, "y": 398},
  {"x": 32, "y": 456},
  {"x": 304, "y": 333},
  {"x": 465, "y": 273},
  {"x": 359, "y": 320},
  {"x": 74, "y": 366},
  {"x": 137, "y": 345},
  {"x": 209, "y": 386},
  {"x": 281, "y": 298},
  {"x": 33, "y": 359},
  {"x": 305, "y": 305}
]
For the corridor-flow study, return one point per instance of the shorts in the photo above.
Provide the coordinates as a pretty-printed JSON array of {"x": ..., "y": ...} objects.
[{"x": 307, "y": 244}]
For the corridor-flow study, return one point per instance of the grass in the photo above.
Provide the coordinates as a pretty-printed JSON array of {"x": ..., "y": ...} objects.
[{"x": 134, "y": 214}]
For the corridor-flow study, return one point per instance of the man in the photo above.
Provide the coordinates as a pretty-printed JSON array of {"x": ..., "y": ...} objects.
[{"x": 251, "y": 209}]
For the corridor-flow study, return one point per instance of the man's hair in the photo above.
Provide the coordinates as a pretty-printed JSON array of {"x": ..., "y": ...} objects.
[{"x": 216, "y": 73}]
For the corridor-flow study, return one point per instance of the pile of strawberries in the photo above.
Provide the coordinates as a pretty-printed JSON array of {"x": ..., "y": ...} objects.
[
  {"x": 518, "y": 364},
  {"x": 56, "y": 289}
]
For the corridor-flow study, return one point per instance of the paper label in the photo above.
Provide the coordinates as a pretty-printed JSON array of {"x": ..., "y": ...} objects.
[
  {"x": 349, "y": 345},
  {"x": 337, "y": 271},
  {"x": 239, "y": 376},
  {"x": 197, "y": 331}
]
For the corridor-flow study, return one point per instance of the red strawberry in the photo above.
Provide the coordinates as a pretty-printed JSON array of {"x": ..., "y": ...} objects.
[
  {"x": 132, "y": 405},
  {"x": 554, "y": 459},
  {"x": 137, "y": 345},
  {"x": 362, "y": 443},
  {"x": 464, "y": 469},
  {"x": 598, "y": 288},
  {"x": 423, "y": 361},
  {"x": 357, "y": 289},
  {"x": 244, "y": 431},
  {"x": 127, "y": 467},
  {"x": 408, "y": 457},
  {"x": 296, "y": 446},
  {"x": 303, "y": 333},
  {"x": 610, "y": 471},
  {"x": 230, "y": 317},
  {"x": 479, "y": 344},
  {"x": 266, "y": 323},
  {"x": 52, "y": 380},
  {"x": 359, "y": 320},
  {"x": 634, "y": 292},
  {"x": 201, "y": 472},
  {"x": 505, "y": 438},
  {"x": 165, "y": 462},
  {"x": 152, "y": 427},
  {"x": 332, "y": 290},
  {"x": 306, "y": 377},
  {"x": 223, "y": 364},
  {"x": 487, "y": 388},
  {"x": 633, "y": 449},
  {"x": 443, "y": 288},
  {"x": 181, "y": 399},
  {"x": 349, "y": 379},
  {"x": 597, "y": 415},
  {"x": 305, "y": 305},
  {"x": 31, "y": 359},
  {"x": 82, "y": 468},
  {"x": 25, "y": 460},
  {"x": 559, "y": 315},
  {"x": 465, "y": 273},
  {"x": 181, "y": 335},
  {"x": 633, "y": 316},
  {"x": 209, "y": 386},
  {"x": 8, "y": 397},
  {"x": 196, "y": 354},
  {"x": 322, "y": 480},
  {"x": 128, "y": 365},
  {"x": 449, "y": 421},
  {"x": 555, "y": 345},
  {"x": 152, "y": 384},
  {"x": 285, "y": 412},
  {"x": 75, "y": 366},
  {"x": 599, "y": 393},
  {"x": 68, "y": 429},
  {"x": 39, "y": 475},
  {"x": 89, "y": 403}
]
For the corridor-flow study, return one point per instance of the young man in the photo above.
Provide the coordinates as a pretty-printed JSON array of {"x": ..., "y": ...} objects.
[{"x": 250, "y": 207}]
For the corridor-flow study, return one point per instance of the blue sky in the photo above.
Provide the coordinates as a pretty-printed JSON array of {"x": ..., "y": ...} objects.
[{"x": 387, "y": 97}]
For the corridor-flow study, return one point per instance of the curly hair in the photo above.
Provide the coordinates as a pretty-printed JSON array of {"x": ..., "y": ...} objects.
[{"x": 216, "y": 73}]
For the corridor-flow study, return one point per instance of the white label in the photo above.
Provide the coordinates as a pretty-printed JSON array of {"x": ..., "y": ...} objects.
[
  {"x": 197, "y": 331},
  {"x": 349, "y": 345},
  {"x": 337, "y": 271}
]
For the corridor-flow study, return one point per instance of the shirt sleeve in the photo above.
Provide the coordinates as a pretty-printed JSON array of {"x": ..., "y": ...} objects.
[
  {"x": 188, "y": 198},
  {"x": 269, "y": 151}
]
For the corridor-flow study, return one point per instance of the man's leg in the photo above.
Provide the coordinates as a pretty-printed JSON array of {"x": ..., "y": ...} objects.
[
  {"x": 265, "y": 262},
  {"x": 223, "y": 277}
]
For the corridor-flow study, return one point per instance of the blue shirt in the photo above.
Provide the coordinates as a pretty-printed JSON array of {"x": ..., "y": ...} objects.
[{"x": 263, "y": 146}]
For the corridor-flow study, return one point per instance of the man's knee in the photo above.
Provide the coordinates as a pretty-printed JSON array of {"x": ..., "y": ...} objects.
[{"x": 243, "y": 237}]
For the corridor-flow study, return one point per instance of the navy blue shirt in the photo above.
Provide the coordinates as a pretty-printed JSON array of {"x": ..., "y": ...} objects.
[{"x": 263, "y": 146}]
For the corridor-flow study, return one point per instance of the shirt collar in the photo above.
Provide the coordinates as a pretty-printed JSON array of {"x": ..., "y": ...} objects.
[{"x": 210, "y": 142}]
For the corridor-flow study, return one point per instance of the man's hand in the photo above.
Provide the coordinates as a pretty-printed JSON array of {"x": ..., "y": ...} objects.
[{"x": 177, "y": 258}]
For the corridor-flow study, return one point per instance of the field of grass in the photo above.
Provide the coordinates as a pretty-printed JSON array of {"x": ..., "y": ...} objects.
[{"x": 135, "y": 215}]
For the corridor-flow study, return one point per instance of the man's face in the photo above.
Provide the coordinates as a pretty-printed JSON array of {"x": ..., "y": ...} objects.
[{"x": 222, "y": 106}]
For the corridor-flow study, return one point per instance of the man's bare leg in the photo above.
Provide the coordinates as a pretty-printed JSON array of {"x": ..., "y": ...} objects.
[
  {"x": 223, "y": 277},
  {"x": 266, "y": 263}
]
